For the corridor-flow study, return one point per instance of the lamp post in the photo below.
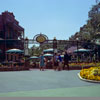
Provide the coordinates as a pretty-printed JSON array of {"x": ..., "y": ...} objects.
[
  {"x": 26, "y": 47},
  {"x": 55, "y": 45},
  {"x": 26, "y": 53},
  {"x": 77, "y": 50}
]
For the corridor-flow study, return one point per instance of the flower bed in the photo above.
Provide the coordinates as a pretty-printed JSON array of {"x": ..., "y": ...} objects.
[
  {"x": 79, "y": 66},
  {"x": 90, "y": 74},
  {"x": 93, "y": 81},
  {"x": 84, "y": 64}
]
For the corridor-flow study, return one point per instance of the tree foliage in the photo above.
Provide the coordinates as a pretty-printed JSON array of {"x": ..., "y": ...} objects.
[
  {"x": 37, "y": 50},
  {"x": 89, "y": 30}
]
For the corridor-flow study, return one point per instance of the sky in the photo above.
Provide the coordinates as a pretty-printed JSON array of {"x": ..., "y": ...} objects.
[{"x": 54, "y": 18}]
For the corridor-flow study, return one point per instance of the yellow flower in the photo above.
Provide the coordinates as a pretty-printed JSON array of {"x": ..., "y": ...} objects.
[
  {"x": 92, "y": 73},
  {"x": 98, "y": 78},
  {"x": 98, "y": 72}
]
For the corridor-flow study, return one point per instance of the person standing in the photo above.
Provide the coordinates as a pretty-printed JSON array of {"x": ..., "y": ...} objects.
[
  {"x": 66, "y": 60},
  {"x": 55, "y": 61},
  {"x": 46, "y": 62},
  {"x": 60, "y": 62},
  {"x": 42, "y": 62}
]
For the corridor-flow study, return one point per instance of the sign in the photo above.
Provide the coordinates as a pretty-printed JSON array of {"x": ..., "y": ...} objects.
[{"x": 41, "y": 38}]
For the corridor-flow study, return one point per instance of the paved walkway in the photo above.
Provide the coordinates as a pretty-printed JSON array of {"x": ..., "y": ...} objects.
[{"x": 47, "y": 83}]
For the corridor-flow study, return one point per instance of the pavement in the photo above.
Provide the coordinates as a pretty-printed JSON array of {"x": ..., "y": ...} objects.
[{"x": 49, "y": 83}]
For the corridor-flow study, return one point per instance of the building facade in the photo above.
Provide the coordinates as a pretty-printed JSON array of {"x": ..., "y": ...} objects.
[{"x": 11, "y": 34}]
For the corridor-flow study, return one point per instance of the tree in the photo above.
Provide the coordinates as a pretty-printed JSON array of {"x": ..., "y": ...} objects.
[
  {"x": 37, "y": 50},
  {"x": 94, "y": 18},
  {"x": 34, "y": 50},
  {"x": 89, "y": 30}
]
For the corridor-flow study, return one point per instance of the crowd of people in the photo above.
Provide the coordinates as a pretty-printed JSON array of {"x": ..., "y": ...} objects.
[{"x": 58, "y": 62}]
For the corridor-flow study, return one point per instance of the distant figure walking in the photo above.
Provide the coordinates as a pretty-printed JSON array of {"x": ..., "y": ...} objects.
[
  {"x": 42, "y": 62},
  {"x": 66, "y": 60}
]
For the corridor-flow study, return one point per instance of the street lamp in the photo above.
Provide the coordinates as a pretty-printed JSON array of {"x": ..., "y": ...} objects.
[
  {"x": 26, "y": 47},
  {"x": 55, "y": 45},
  {"x": 26, "y": 53}
]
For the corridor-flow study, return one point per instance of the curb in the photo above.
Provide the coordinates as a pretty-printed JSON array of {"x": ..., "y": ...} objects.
[{"x": 92, "y": 81}]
